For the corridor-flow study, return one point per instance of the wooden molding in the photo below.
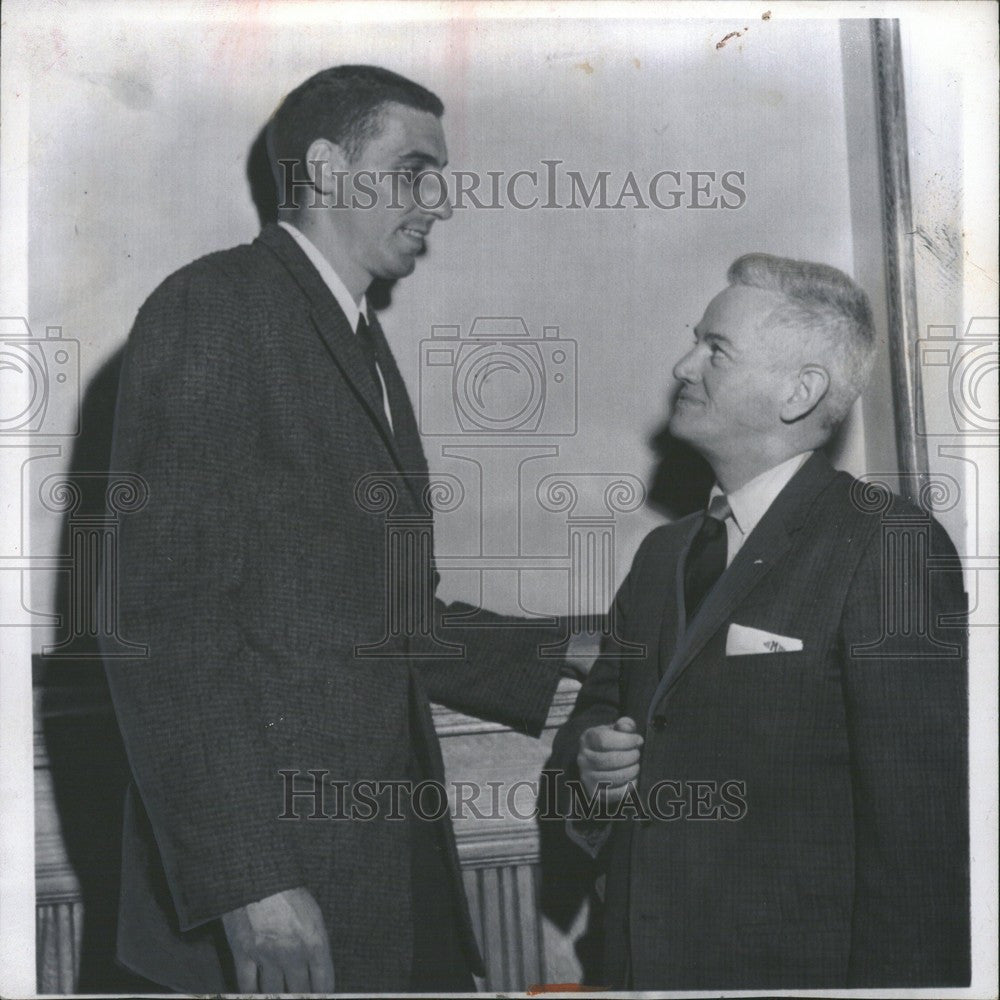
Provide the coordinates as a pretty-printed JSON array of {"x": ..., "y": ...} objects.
[{"x": 897, "y": 231}]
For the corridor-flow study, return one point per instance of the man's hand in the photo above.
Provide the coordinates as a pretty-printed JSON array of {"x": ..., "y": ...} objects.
[
  {"x": 280, "y": 945},
  {"x": 609, "y": 758}
]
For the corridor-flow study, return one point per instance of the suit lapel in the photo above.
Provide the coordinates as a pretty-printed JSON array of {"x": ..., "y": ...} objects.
[
  {"x": 674, "y": 612},
  {"x": 341, "y": 340},
  {"x": 761, "y": 552}
]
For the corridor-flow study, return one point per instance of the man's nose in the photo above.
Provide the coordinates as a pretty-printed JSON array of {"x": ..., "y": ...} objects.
[
  {"x": 686, "y": 369},
  {"x": 434, "y": 197},
  {"x": 444, "y": 210}
]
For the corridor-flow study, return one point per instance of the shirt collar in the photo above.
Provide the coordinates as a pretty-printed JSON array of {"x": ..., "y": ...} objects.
[
  {"x": 751, "y": 501},
  {"x": 352, "y": 310}
]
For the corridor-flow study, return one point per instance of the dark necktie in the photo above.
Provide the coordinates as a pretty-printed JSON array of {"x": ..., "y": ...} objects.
[
  {"x": 367, "y": 341},
  {"x": 706, "y": 558}
]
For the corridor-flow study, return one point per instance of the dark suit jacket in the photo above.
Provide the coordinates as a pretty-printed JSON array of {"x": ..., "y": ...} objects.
[
  {"x": 252, "y": 574},
  {"x": 850, "y": 865}
]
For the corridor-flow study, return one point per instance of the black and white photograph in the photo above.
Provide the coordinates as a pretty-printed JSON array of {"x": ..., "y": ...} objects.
[{"x": 499, "y": 498}]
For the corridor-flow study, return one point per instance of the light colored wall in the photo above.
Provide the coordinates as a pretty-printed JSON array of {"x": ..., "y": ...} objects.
[
  {"x": 933, "y": 88},
  {"x": 141, "y": 125}
]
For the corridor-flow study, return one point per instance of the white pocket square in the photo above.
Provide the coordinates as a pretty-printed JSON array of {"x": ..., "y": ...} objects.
[{"x": 741, "y": 640}]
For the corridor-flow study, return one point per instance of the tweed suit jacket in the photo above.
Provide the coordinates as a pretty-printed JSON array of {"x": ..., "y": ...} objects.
[
  {"x": 847, "y": 863},
  {"x": 252, "y": 574}
]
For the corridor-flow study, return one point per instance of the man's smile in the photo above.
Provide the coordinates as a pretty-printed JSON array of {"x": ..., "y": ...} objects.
[
  {"x": 415, "y": 235},
  {"x": 684, "y": 398}
]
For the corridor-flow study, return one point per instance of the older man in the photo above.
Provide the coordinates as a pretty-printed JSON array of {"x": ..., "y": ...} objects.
[{"x": 784, "y": 770}]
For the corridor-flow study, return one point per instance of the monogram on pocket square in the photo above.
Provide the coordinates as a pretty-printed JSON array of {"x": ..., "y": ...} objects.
[{"x": 741, "y": 640}]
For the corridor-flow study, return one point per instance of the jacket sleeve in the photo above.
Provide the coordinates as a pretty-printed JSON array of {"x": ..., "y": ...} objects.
[
  {"x": 503, "y": 675},
  {"x": 187, "y": 710},
  {"x": 905, "y": 686}
]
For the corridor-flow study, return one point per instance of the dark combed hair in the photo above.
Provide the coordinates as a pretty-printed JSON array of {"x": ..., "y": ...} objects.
[{"x": 342, "y": 104}]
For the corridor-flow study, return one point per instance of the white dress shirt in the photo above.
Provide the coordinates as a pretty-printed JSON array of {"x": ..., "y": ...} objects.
[
  {"x": 751, "y": 501},
  {"x": 352, "y": 310}
]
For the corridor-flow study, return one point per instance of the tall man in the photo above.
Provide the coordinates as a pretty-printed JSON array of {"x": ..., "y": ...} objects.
[
  {"x": 257, "y": 392},
  {"x": 787, "y": 760}
]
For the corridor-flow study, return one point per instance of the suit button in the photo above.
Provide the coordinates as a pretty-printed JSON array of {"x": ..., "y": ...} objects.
[{"x": 659, "y": 723}]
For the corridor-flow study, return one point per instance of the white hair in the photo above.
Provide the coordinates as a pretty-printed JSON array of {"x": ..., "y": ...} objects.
[{"x": 820, "y": 301}]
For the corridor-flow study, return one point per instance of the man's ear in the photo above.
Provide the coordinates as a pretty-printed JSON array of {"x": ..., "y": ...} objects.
[
  {"x": 326, "y": 165},
  {"x": 811, "y": 385}
]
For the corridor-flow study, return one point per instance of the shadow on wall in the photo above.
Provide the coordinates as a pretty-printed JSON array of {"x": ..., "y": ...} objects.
[
  {"x": 261, "y": 180},
  {"x": 681, "y": 479},
  {"x": 89, "y": 771}
]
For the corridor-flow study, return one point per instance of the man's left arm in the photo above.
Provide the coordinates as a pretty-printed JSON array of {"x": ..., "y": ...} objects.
[{"x": 906, "y": 701}]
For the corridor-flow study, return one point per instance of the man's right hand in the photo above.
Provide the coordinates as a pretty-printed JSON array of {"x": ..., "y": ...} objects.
[
  {"x": 280, "y": 945},
  {"x": 609, "y": 758}
]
